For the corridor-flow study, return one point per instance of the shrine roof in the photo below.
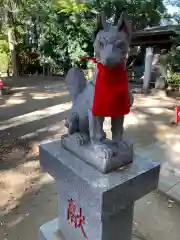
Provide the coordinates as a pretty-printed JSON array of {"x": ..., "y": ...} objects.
[
  {"x": 155, "y": 35},
  {"x": 169, "y": 29}
]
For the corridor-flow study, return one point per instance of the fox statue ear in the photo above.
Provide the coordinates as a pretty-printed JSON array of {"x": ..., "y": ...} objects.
[
  {"x": 124, "y": 25},
  {"x": 100, "y": 24}
]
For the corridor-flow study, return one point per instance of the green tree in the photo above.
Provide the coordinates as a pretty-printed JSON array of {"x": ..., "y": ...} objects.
[
  {"x": 58, "y": 31},
  {"x": 4, "y": 56}
]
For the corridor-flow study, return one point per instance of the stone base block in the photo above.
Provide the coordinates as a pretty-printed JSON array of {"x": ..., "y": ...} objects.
[
  {"x": 50, "y": 231},
  {"x": 93, "y": 205},
  {"x": 105, "y": 156}
]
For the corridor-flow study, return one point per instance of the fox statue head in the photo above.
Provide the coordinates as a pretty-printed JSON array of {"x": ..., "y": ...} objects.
[{"x": 111, "y": 43}]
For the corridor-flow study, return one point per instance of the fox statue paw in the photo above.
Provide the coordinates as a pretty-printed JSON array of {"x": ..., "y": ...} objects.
[{"x": 104, "y": 151}]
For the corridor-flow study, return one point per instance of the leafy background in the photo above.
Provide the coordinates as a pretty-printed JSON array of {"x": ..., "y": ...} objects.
[{"x": 54, "y": 33}]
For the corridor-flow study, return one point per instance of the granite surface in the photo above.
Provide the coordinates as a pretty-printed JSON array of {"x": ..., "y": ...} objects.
[{"x": 106, "y": 200}]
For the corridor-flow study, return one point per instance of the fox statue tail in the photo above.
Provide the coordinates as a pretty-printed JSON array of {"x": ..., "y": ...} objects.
[{"x": 76, "y": 82}]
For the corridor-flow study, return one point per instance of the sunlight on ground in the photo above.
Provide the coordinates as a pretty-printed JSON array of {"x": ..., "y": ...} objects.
[
  {"x": 33, "y": 116},
  {"x": 52, "y": 128},
  {"x": 19, "y": 94},
  {"x": 163, "y": 152},
  {"x": 152, "y": 101},
  {"x": 15, "y": 183},
  {"x": 176, "y": 147},
  {"x": 167, "y": 171},
  {"x": 155, "y": 110},
  {"x": 171, "y": 135},
  {"x": 46, "y": 95},
  {"x": 23, "y": 88},
  {"x": 135, "y": 119},
  {"x": 16, "y": 221},
  {"x": 14, "y": 101},
  {"x": 28, "y": 167},
  {"x": 25, "y": 177}
]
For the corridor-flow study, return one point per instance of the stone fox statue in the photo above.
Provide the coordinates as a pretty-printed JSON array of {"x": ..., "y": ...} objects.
[{"x": 86, "y": 116}]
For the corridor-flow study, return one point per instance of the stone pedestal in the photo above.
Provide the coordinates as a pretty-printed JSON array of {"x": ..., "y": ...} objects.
[
  {"x": 93, "y": 205},
  {"x": 50, "y": 230}
]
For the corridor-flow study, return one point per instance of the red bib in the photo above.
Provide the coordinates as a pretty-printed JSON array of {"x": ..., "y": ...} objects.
[{"x": 111, "y": 98}]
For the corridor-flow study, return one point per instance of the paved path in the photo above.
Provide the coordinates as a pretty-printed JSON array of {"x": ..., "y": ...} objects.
[
  {"x": 149, "y": 126},
  {"x": 28, "y": 196},
  {"x": 157, "y": 138}
]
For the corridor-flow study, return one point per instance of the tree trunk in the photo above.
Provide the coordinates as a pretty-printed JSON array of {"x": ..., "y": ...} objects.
[{"x": 11, "y": 40}]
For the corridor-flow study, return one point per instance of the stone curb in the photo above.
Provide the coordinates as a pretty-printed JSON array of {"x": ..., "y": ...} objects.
[
  {"x": 173, "y": 192},
  {"x": 169, "y": 181}
]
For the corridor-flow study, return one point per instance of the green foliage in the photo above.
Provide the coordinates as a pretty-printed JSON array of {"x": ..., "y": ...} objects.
[
  {"x": 4, "y": 56},
  {"x": 175, "y": 78},
  {"x": 69, "y": 6},
  {"x": 61, "y": 30},
  {"x": 174, "y": 55},
  {"x": 4, "y": 48},
  {"x": 4, "y": 59}
]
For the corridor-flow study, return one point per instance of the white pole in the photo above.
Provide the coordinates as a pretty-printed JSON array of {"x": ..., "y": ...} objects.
[{"x": 148, "y": 68}]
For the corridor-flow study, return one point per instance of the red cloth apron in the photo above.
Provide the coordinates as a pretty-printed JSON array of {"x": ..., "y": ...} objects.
[{"x": 111, "y": 98}]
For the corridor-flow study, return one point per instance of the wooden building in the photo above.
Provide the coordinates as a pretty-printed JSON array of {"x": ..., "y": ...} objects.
[{"x": 160, "y": 36}]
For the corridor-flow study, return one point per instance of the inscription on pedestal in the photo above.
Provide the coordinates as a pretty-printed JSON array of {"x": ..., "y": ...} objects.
[{"x": 75, "y": 218}]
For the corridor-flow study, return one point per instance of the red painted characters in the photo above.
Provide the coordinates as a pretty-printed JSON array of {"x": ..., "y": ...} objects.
[{"x": 75, "y": 218}]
